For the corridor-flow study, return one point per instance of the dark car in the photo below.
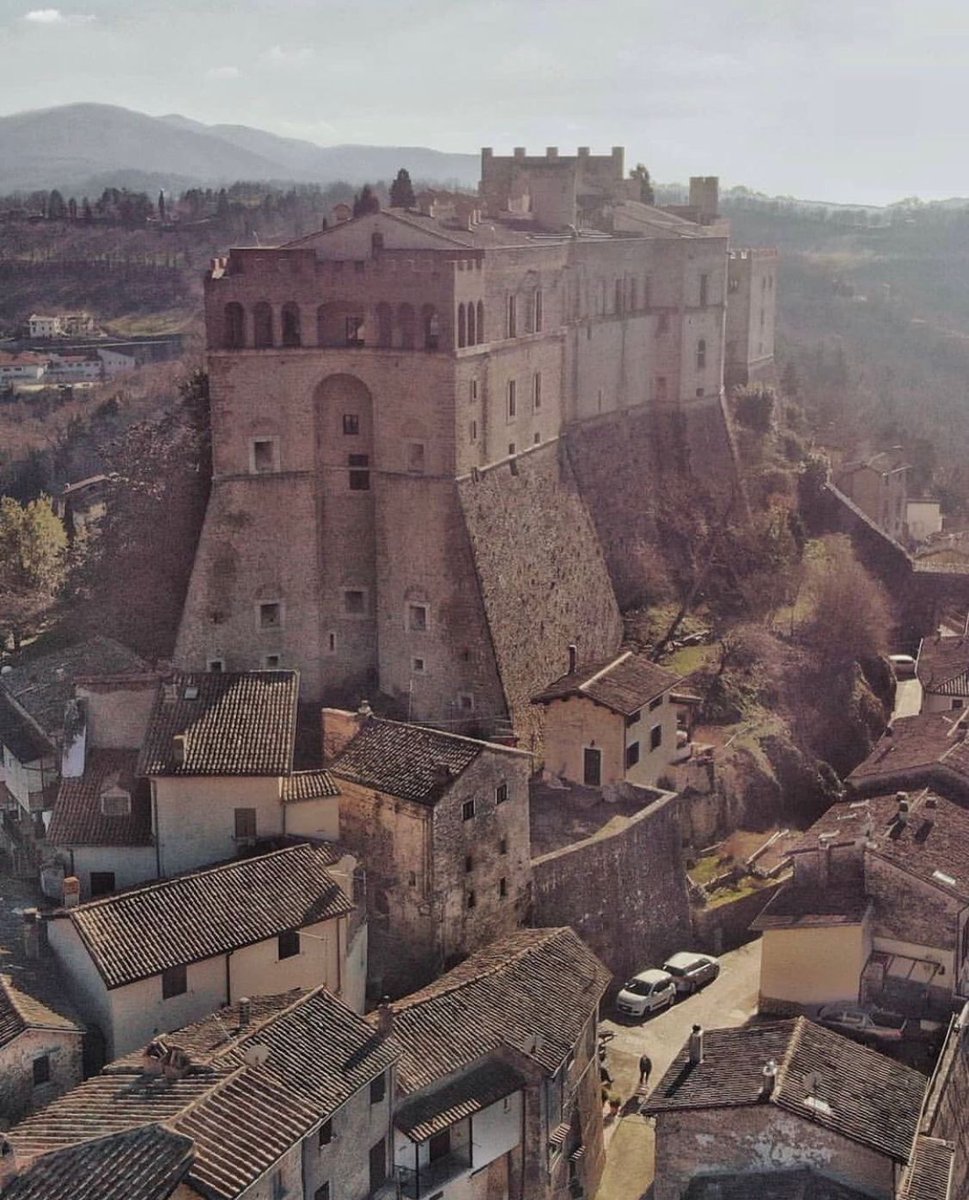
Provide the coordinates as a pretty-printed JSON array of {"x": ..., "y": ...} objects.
[{"x": 864, "y": 1024}]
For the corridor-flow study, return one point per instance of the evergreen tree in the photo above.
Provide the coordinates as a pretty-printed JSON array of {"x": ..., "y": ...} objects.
[
  {"x": 33, "y": 566},
  {"x": 366, "y": 201},
  {"x": 646, "y": 193},
  {"x": 161, "y": 206},
  {"x": 56, "y": 208},
  {"x": 402, "y": 191}
]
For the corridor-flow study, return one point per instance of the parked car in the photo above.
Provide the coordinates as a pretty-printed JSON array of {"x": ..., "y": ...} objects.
[
  {"x": 903, "y": 665},
  {"x": 646, "y": 992},
  {"x": 691, "y": 971},
  {"x": 865, "y": 1024}
]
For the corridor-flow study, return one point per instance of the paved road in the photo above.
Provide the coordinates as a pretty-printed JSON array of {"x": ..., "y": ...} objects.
[
  {"x": 729, "y": 1001},
  {"x": 908, "y": 698}
]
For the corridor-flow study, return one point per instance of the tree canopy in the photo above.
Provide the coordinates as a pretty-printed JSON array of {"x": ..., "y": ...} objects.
[
  {"x": 402, "y": 191},
  {"x": 33, "y": 563}
]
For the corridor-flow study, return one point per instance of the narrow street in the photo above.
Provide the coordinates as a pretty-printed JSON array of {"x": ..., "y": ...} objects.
[{"x": 729, "y": 1001}]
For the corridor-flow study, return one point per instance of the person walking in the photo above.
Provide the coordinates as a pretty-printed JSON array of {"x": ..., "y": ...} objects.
[{"x": 645, "y": 1067}]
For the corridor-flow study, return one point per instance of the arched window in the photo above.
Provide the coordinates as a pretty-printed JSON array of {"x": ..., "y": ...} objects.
[
  {"x": 291, "y": 332},
  {"x": 432, "y": 327},
  {"x": 234, "y": 327},
  {"x": 701, "y": 354},
  {"x": 481, "y": 325},
  {"x": 385, "y": 325},
  {"x": 405, "y": 319},
  {"x": 472, "y": 340},
  {"x": 462, "y": 327},
  {"x": 262, "y": 325}
]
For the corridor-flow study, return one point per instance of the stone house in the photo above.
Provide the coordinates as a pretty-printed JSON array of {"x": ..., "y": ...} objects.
[
  {"x": 878, "y": 485},
  {"x": 441, "y": 822},
  {"x": 928, "y": 750},
  {"x": 40, "y": 1052},
  {"x": 877, "y": 911},
  {"x": 785, "y": 1095},
  {"x": 498, "y": 1089},
  {"x": 147, "y": 961},
  {"x": 287, "y": 1095},
  {"x": 943, "y": 671},
  {"x": 610, "y": 723}
]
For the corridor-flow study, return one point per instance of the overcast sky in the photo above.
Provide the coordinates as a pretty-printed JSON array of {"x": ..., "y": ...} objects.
[{"x": 851, "y": 101}]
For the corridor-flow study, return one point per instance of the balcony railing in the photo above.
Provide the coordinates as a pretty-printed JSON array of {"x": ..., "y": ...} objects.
[{"x": 415, "y": 1184}]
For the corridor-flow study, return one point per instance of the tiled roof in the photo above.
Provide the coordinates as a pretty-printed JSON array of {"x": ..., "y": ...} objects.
[
  {"x": 20, "y": 734},
  {"x": 534, "y": 990},
  {"x": 20, "y": 1011},
  {"x": 796, "y": 907},
  {"x": 140, "y": 933},
  {"x": 241, "y": 1115},
  {"x": 423, "y": 1116},
  {"x": 230, "y": 724},
  {"x": 308, "y": 785},
  {"x": 43, "y": 683},
  {"x": 623, "y": 684},
  {"x": 799, "y": 1184},
  {"x": 915, "y": 746},
  {"x": 929, "y": 1174},
  {"x": 405, "y": 760},
  {"x": 943, "y": 665},
  {"x": 823, "y": 1078},
  {"x": 78, "y": 819},
  {"x": 146, "y": 1163}
]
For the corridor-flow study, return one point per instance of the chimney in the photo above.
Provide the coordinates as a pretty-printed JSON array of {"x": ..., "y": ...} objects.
[
  {"x": 573, "y": 658},
  {"x": 385, "y": 1017},
  {"x": 245, "y": 1011},
  {"x": 769, "y": 1079},
  {"x": 340, "y": 727},
  {"x": 31, "y": 919},
  {"x": 903, "y": 807},
  {"x": 696, "y": 1046},
  {"x": 71, "y": 891},
  {"x": 176, "y": 1063},
  {"x": 179, "y": 748},
  {"x": 153, "y": 1057}
]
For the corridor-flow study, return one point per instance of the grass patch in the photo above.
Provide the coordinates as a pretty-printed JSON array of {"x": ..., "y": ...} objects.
[{"x": 706, "y": 869}]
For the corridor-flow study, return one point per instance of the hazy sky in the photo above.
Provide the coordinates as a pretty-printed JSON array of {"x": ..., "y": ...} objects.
[{"x": 853, "y": 101}]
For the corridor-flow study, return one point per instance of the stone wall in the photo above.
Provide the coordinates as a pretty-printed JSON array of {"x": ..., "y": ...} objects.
[
  {"x": 623, "y": 890},
  {"x": 18, "y": 1094},
  {"x": 946, "y": 1113}
]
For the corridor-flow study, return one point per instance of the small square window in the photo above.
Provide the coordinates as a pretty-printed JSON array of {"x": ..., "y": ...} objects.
[
  {"x": 378, "y": 1089},
  {"x": 503, "y": 846},
  {"x": 501, "y": 793},
  {"x": 354, "y": 603},
  {"x": 502, "y": 888},
  {"x": 270, "y": 615},
  {"x": 468, "y": 864},
  {"x": 511, "y": 449},
  {"x": 467, "y": 810},
  {"x": 417, "y": 618},
  {"x": 632, "y": 755},
  {"x": 216, "y": 665},
  {"x": 656, "y": 737},
  {"x": 537, "y": 438},
  {"x": 271, "y": 662},
  {"x": 699, "y": 391},
  {"x": 288, "y": 943},
  {"x": 655, "y": 703},
  {"x": 417, "y": 666},
  {"x": 466, "y": 702},
  {"x": 325, "y": 1135},
  {"x": 633, "y": 719},
  {"x": 174, "y": 981},
  {"x": 415, "y": 458},
  {"x": 244, "y": 823},
  {"x": 351, "y": 424},
  {"x": 472, "y": 900},
  {"x": 41, "y": 1067},
  {"x": 264, "y": 456}
]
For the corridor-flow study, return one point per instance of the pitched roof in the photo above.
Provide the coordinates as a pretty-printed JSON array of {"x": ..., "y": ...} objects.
[
  {"x": 943, "y": 665},
  {"x": 319, "y": 1054},
  {"x": 823, "y": 1078},
  {"x": 929, "y": 1174},
  {"x": 623, "y": 684},
  {"x": 140, "y": 933},
  {"x": 20, "y": 1011},
  {"x": 803, "y": 907},
  {"x": 20, "y": 734},
  {"x": 534, "y": 990},
  {"x": 78, "y": 818},
  {"x": 922, "y": 746},
  {"x": 308, "y": 785},
  {"x": 405, "y": 760},
  {"x": 230, "y": 723},
  {"x": 423, "y": 1116},
  {"x": 146, "y": 1163}
]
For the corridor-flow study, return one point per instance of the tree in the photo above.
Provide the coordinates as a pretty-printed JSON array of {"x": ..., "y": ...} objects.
[
  {"x": 56, "y": 208},
  {"x": 754, "y": 406},
  {"x": 402, "y": 191},
  {"x": 366, "y": 201},
  {"x": 161, "y": 207},
  {"x": 33, "y": 563},
  {"x": 646, "y": 193},
  {"x": 789, "y": 380},
  {"x": 852, "y": 617}
]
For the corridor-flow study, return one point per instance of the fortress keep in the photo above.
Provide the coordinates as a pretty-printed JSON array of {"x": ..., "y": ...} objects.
[{"x": 406, "y": 410}]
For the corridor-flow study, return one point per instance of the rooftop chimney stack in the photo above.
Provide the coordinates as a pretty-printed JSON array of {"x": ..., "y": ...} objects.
[
  {"x": 903, "y": 808},
  {"x": 696, "y": 1046},
  {"x": 573, "y": 659},
  {"x": 769, "y": 1082},
  {"x": 245, "y": 1011},
  {"x": 385, "y": 1017}
]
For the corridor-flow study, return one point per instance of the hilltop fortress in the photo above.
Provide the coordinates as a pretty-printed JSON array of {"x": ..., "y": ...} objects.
[{"x": 434, "y": 431}]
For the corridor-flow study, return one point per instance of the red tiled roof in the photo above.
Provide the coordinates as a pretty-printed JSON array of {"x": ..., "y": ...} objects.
[
  {"x": 308, "y": 785},
  {"x": 623, "y": 684},
  {"x": 943, "y": 665},
  {"x": 78, "y": 818},
  {"x": 405, "y": 760},
  {"x": 20, "y": 1012}
]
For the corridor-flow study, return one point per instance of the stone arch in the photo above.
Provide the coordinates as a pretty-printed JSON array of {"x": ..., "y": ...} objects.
[
  {"x": 262, "y": 325},
  {"x": 472, "y": 339},
  {"x": 234, "y": 326},
  {"x": 481, "y": 322},
  {"x": 406, "y": 323},
  {"x": 290, "y": 321},
  {"x": 462, "y": 326},
  {"x": 385, "y": 325},
  {"x": 431, "y": 326}
]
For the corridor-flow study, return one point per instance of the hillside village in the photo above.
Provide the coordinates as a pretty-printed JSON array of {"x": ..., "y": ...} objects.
[{"x": 557, "y": 783}]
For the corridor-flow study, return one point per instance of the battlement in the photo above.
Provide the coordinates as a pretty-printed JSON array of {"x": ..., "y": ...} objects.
[
  {"x": 614, "y": 159},
  {"x": 754, "y": 252}
]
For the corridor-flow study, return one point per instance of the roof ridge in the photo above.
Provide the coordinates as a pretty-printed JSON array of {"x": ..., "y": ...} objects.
[
  {"x": 603, "y": 670},
  {"x": 271, "y": 1018}
]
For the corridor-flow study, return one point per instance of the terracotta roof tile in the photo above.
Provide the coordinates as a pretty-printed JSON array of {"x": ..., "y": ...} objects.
[
  {"x": 823, "y": 1078},
  {"x": 20, "y": 1011},
  {"x": 623, "y": 684},
  {"x": 405, "y": 760},
  {"x": 308, "y": 785},
  {"x": 423, "y": 1116},
  {"x": 943, "y": 665},
  {"x": 140, "y": 933},
  {"x": 231, "y": 724},
  {"x": 78, "y": 818},
  {"x": 916, "y": 746},
  {"x": 929, "y": 1174}
]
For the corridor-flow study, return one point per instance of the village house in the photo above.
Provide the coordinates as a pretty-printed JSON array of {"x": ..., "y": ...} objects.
[
  {"x": 877, "y": 911},
  {"x": 943, "y": 671},
  {"x": 878, "y": 485},
  {"x": 21, "y": 368},
  {"x": 923, "y": 517},
  {"x": 611, "y": 723},
  {"x": 75, "y": 368},
  {"x": 280, "y": 1096},
  {"x": 40, "y": 1052},
  {"x": 441, "y": 822},
  {"x": 43, "y": 327},
  {"x": 756, "y": 1101},
  {"x": 498, "y": 1091},
  {"x": 81, "y": 505},
  {"x": 928, "y": 750},
  {"x": 149, "y": 960}
]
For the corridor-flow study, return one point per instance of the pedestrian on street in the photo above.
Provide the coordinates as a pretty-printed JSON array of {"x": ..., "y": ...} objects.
[{"x": 645, "y": 1067}]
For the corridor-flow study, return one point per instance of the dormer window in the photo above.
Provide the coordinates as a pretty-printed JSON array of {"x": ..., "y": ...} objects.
[{"x": 116, "y": 802}]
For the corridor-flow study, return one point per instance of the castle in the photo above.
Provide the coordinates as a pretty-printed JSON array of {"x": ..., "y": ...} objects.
[{"x": 406, "y": 496}]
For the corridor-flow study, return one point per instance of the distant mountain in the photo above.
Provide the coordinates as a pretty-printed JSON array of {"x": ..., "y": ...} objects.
[{"x": 77, "y": 145}]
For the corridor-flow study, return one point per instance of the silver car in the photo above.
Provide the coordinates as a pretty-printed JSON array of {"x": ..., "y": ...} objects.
[
  {"x": 646, "y": 992},
  {"x": 691, "y": 971}
]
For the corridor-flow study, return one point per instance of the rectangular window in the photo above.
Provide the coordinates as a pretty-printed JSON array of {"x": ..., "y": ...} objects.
[
  {"x": 354, "y": 603},
  {"x": 530, "y": 314},
  {"x": 355, "y": 331},
  {"x": 537, "y": 391},
  {"x": 439, "y": 1145},
  {"x": 647, "y": 292},
  {"x": 264, "y": 456},
  {"x": 539, "y": 311},
  {"x": 415, "y": 458},
  {"x": 102, "y": 883},
  {"x": 378, "y": 1089},
  {"x": 502, "y": 888},
  {"x": 701, "y": 354},
  {"x": 331, "y": 642},
  {"x": 288, "y": 943},
  {"x": 351, "y": 424},
  {"x": 591, "y": 767},
  {"x": 512, "y": 316},
  {"x": 633, "y": 719},
  {"x": 468, "y": 864},
  {"x": 632, "y": 755},
  {"x": 271, "y": 662},
  {"x": 656, "y": 737},
  {"x": 704, "y": 289},
  {"x": 472, "y": 900},
  {"x": 467, "y": 810},
  {"x": 473, "y": 431},
  {"x": 270, "y": 615},
  {"x": 41, "y": 1070},
  {"x": 418, "y": 666},
  {"x": 325, "y": 1134},
  {"x": 512, "y": 406},
  {"x": 417, "y": 618},
  {"x": 511, "y": 452},
  {"x": 174, "y": 981},
  {"x": 501, "y": 793},
  {"x": 116, "y": 804},
  {"x": 359, "y": 472},
  {"x": 245, "y": 822},
  {"x": 473, "y": 390},
  {"x": 655, "y": 703},
  {"x": 503, "y": 846},
  {"x": 216, "y": 665},
  {"x": 278, "y": 1186}
]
